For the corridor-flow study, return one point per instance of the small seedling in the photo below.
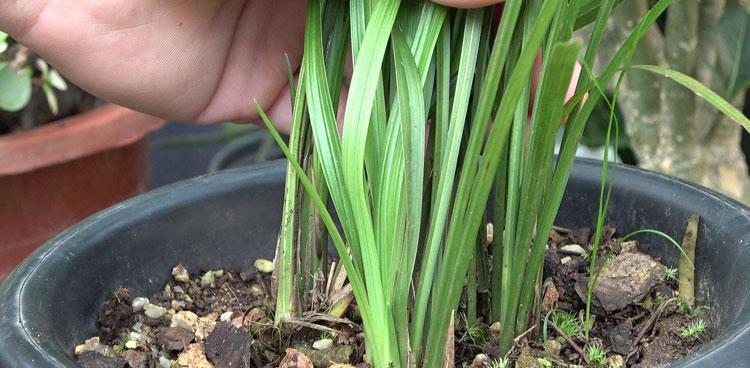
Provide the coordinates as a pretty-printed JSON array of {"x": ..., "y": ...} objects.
[
  {"x": 475, "y": 333},
  {"x": 567, "y": 323},
  {"x": 498, "y": 363},
  {"x": 694, "y": 330},
  {"x": 670, "y": 273},
  {"x": 595, "y": 354},
  {"x": 544, "y": 362}
]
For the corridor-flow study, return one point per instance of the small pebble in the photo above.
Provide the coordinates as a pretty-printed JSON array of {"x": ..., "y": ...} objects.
[
  {"x": 264, "y": 265},
  {"x": 137, "y": 327},
  {"x": 573, "y": 249},
  {"x": 566, "y": 259},
  {"x": 226, "y": 316},
  {"x": 323, "y": 344},
  {"x": 164, "y": 362},
  {"x": 208, "y": 279},
  {"x": 178, "y": 304},
  {"x": 139, "y": 303},
  {"x": 219, "y": 273},
  {"x": 154, "y": 311},
  {"x": 178, "y": 289},
  {"x": 256, "y": 291},
  {"x": 91, "y": 344},
  {"x": 180, "y": 273},
  {"x": 480, "y": 361},
  {"x": 553, "y": 347},
  {"x": 184, "y": 319},
  {"x": 496, "y": 329},
  {"x": 131, "y": 344},
  {"x": 615, "y": 361},
  {"x": 135, "y": 336}
]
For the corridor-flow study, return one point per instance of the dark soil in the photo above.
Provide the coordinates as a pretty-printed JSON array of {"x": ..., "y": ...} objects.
[{"x": 225, "y": 319}]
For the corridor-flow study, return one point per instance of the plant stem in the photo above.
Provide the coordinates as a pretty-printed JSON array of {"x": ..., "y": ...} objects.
[{"x": 686, "y": 270}]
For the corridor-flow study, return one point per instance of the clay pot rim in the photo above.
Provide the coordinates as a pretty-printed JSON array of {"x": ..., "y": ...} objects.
[{"x": 101, "y": 129}]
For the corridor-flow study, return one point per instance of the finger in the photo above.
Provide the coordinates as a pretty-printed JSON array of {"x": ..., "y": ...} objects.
[
  {"x": 18, "y": 16},
  {"x": 280, "y": 112},
  {"x": 468, "y": 3}
]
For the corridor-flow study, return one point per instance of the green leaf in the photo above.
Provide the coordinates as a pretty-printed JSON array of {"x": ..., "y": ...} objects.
[
  {"x": 15, "y": 88},
  {"x": 49, "y": 93},
  {"x": 588, "y": 12},
  {"x": 702, "y": 91},
  {"x": 43, "y": 67},
  {"x": 3, "y": 42},
  {"x": 413, "y": 118},
  {"x": 56, "y": 80},
  {"x": 734, "y": 49}
]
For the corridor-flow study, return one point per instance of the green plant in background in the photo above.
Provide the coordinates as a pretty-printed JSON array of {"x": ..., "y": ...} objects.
[
  {"x": 670, "y": 129},
  {"x": 412, "y": 209},
  {"x": 20, "y": 71}
]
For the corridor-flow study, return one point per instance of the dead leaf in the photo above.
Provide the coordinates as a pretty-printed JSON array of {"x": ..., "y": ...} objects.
[{"x": 295, "y": 359}]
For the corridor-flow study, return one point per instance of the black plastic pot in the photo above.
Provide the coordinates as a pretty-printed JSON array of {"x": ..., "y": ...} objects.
[{"x": 50, "y": 302}]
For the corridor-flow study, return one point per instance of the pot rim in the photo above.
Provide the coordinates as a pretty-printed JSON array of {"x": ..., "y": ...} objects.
[
  {"x": 730, "y": 341},
  {"x": 103, "y": 128}
]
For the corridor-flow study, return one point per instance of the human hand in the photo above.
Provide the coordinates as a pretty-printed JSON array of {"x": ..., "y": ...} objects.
[{"x": 202, "y": 61}]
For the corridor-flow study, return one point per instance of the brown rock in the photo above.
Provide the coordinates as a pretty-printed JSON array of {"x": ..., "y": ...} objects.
[
  {"x": 92, "y": 359},
  {"x": 620, "y": 337},
  {"x": 227, "y": 346},
  {"x": 295, "y": 359},
  {"x": 175, "y": 338},
  {"x": 626, "y": 279},
  {"x": 194, "y": 357},
  {"x": 135, "y": 359}
]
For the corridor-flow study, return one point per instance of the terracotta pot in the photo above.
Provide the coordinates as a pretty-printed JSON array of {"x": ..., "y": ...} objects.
[{"x": 53, "y": 176}]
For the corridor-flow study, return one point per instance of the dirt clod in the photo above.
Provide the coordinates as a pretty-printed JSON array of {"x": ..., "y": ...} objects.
[
  {"x": 136, "y": 359},
  {"x": 115, "y": 316},
  {"x": 175, "y": 338},
  {"x": 228, "y": 346},
  {"x": 620, "y": 337}
]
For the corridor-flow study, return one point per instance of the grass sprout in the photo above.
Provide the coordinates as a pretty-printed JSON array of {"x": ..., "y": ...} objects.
[
  {"x": 566, "y": 322},
  {"x": 498, "y": 363},
  {"x": 595, "y": 353},
  {"x": 670, "y": 273},
  {"x": 694, "y": 330}
]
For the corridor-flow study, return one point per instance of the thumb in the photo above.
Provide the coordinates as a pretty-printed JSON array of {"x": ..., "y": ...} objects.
[{"x": 468, "y": 3}]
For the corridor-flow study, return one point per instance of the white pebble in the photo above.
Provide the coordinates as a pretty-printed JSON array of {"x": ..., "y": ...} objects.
[
  {"x": 180, "y": 273},
  {"x": 154, "y": 311},
  {"x": 208, "y": 279},
  {"x": 132, "y": 344},
  {"x": 323, "y": 344},
  {"x": 264, "y": 265},
  {"x": 139, "y": 303},
  {"x": 184, "y": 319},
  {"x": 573, "y": 249},
  {"x": 226, "y": 316}
]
